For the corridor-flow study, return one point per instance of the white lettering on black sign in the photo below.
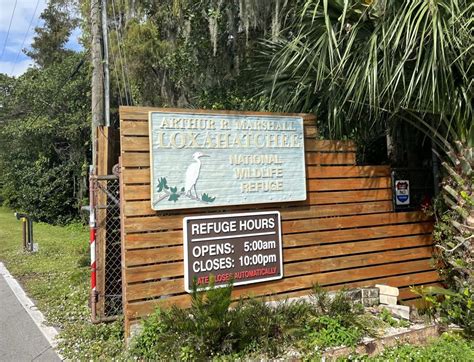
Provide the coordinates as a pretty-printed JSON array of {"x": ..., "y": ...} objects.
[{"x": 243, "y": 248}]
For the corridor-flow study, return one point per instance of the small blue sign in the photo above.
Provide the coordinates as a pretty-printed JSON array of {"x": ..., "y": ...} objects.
[
  {"x": 402, "y": 192},
  {"x": 402, "y": 198}
]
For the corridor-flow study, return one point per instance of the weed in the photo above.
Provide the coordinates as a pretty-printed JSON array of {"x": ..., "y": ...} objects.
[
  {"x": 449, "y": 306},
  {"x": 335, "y": 321},
  {"x": 387, "y": 317},
  {"x": 325, "y": 331},
  {"x": 449, "y": 347}
]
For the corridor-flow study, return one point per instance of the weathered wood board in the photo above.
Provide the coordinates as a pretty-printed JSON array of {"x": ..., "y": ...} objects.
[{"x": 344, "y": 234}]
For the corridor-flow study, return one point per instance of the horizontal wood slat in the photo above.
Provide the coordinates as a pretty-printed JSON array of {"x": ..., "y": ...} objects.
[
  {"x": 175, "y": 269},
  {"x": 175, "y": 253},
  {"x": 349, "y": 184},
  {"x": 335, "y": 277},
  {"x": 142, "y": 192},
  {"x": 334, "y": 146},
  {"x": 151, "y": 256},
  {"x": 143, "y": 308},
  {"x": 325, "y": 251},
  {"x": 143, "y": 208},
  {"x": 156, "y": 223},
  {"x": 338, "y": 197},
  {"x": 319, "y": 266},
  {"x": 164, "y": 287},
  {"x": 346, "y": 171},
  {"x": 371, "y": 232},
  {"x": 141, "y": 113},
  {"x": 344, "y": 279},
  {"x": 399, "y": 281},
  {"x": 312, "y": 186},
  {"x": 158, "y": 239},
  {"x": 346, "y": 222}
]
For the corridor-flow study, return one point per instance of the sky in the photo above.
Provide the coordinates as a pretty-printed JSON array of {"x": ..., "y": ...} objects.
[{"x": 12, "y": 59}]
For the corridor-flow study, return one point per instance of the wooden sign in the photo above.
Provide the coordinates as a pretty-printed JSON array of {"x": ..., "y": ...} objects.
[
  {"x": 245, "y": 248},
  {"x": 204, "y": 160}
]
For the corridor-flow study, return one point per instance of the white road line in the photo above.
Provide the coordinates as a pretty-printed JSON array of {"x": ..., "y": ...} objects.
[{"x": 49, "y": 332}]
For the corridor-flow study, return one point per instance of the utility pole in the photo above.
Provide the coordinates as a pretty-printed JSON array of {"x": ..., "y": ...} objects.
[
  {"x": 105, "y": 42},
  {"x": 97, "y": 78},
  {"x": 102, "y": 154}
]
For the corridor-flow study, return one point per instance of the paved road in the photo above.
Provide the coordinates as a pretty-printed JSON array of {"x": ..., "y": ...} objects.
[{"x": 20, "y": 338}]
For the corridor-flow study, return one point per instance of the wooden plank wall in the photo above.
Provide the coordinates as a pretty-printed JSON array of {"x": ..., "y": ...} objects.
[{"x": 344, "y": 234}]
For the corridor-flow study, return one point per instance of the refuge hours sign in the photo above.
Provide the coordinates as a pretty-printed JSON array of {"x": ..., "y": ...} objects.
[
  {"x": 205, "y": 160},
  {"x": 243, "y": 248}
]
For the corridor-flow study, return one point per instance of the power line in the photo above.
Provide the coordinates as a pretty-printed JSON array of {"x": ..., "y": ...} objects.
[
  {"x": 125, "y": 88},
  {"x": 123, "y": 62},
  {"x": 8, "y": 32},
  {"x": 26, "y": 36},
  {"x": 116, "y": 73}
]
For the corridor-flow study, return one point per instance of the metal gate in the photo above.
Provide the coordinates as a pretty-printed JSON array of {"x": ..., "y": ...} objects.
[{"x": 106, "y": 274}]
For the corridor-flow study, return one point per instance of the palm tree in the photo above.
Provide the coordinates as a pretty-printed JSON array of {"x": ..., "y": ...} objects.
[{"x": 366, "y": 65}]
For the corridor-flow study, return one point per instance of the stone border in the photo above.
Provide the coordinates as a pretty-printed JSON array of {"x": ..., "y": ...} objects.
[{"x": 416, "y": 335}]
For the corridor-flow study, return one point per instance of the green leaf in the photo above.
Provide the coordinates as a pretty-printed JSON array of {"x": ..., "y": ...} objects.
[
  {"x": 162, "y": 184},
  {"x": 173, "y": 197},
  {"x": 206, "y": 198}
]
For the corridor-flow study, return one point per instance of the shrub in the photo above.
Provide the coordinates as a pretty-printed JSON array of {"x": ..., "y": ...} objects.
[
  {"x": 212, "y": 328},
  {"x": 449, "y": 306},
  {"x": 335, "y": 321}
]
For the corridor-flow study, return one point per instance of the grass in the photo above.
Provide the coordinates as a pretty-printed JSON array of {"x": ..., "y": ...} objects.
[
  {"x": 57, "y": 279},
  {"x": 449, "y": 347}
]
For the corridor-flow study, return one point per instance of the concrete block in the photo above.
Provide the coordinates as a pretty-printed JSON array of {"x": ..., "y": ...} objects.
[
  {"x": 354, "y": 294},
  {"x": 370, "y": 302},
  {"x": 370, "y": 292},
  {"x": 401, "y": 311},
  {"x": 387, "y": 290},
  {"x": 388, "y": 299}
]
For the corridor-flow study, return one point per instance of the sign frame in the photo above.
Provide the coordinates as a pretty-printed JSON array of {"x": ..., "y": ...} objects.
[
  {"x": 301, "y": 191},
  {"x": 186, "y": 242}
]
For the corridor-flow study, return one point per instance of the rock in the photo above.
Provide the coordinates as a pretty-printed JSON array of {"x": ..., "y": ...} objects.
[
  {"x": 387, "y": 290},
  {"x": 366, "y": 296},
  {"x": 388, "y": 299},
  {"x": 370, "y": 292},
  {"x": 370, "y": 302},
  {"x": 402, "y": 311}
]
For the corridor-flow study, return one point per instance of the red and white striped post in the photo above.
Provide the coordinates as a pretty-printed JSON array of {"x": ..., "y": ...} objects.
[{"x": 93, "y": 228}]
